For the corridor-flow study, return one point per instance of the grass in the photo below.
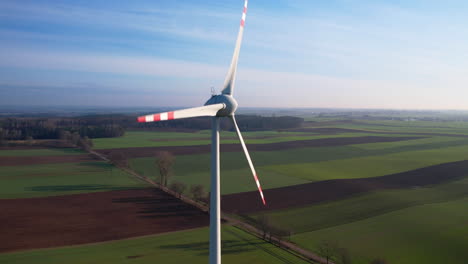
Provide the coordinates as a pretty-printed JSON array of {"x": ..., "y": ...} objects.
[
  {"x": 424, "y": 225},
  {"x": 235, "y": 176},
  {"x": 178, "y": 247},
  {"x": 60, "y": 179},
  {"x": 360, "y": 207},
  {"x": 460, "y": 128},
  {"x": 159, "y": 139},
  {"x": 372, "y": 165},
  {"x": 297, "y": 166},
  {"x": 40, "y": 152},
  {"x": 430, "y": 234}
]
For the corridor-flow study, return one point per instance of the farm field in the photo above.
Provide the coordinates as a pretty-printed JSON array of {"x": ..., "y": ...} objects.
[
  {"x": 158, "y": 139},
  {"x": 176, "y": 247},
  {"x": 62, "y": 178},
  {"x": 354, "y": 182},
  {"x": 133, "y": 139},
  {"x": 326, "y": 215},
  {"x": 40, "y": 152},
  {"x": 429, "y": 233},
  {"x": 298, "y": 166},
  {"x": 456, "y": 128},
  {"x": 52, "y": 205},
  {"x": 289, "y": 167},
  {"x": 92, "y": 217}
]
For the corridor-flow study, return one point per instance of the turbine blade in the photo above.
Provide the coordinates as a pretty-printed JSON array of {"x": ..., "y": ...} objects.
[
  {"x": 249, "y": 160},
  {"x": 207, "y": 110},
  {"x": 228, "y": 87}
]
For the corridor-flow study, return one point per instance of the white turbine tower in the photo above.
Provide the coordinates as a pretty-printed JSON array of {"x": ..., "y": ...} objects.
[{"x": 221, "y": 105}]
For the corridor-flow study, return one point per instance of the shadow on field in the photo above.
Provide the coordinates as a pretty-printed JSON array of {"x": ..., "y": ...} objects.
[
  {"x": 72, "y": 188},
  {"x": 259, "y": 245},
  {"x": 160, "y": 206},
  {"x": 227, "y": 247}
]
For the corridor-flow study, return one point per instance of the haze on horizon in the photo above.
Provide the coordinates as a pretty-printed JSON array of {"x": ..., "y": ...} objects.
[{"x": 338, "y": 53}]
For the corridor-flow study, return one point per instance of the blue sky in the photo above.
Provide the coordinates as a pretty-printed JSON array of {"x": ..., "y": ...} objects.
[{"x": 304, "y": 53}]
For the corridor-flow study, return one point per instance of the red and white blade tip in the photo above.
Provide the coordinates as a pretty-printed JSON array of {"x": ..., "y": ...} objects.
[
  {"x": 259, "y": 189},
  {"x": 156, "y": 117},
  {"x": 244, "y": 14}
]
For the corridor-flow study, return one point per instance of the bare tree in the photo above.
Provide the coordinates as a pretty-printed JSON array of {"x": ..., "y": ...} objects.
[
  {"x": 29, "y": 140},
  {"x": 379, "y": 261},
  {"x": 3, "y": 141},
  {"x": 164, "y": 161},
  {"x": 343, "y": 256},
  {"x": 75, "y": 137},
  {"x": 279, "y": 233},
  {"x": 85, "y": 143},
  {"x": 178, "y": 187},
  {"x": 197, "y": 191},
  {"x": 327, "y": 249},
  {"x": 119, "y": 159},
  {"x": 264, "y": 222}
]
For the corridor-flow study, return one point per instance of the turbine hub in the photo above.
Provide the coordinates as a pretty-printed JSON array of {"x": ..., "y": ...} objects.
[{"x": 230, "y": 104}]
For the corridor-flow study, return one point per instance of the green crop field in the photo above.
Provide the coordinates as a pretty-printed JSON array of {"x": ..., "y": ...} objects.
[
  {"x": 158, "y": 139},
  {"x": 330, "y": 214},
  {"x": 431, "y": 234},
  {"x": 297, "y": 166},
  {"x": 63, "y": 178},
  {"x": 194, "y": 169},
  {"x": 460, "y": 128},
  {"x": 397, "y": 225},
  {"x": 177, "y": 247},
  {"x": 371, "y": 166}
]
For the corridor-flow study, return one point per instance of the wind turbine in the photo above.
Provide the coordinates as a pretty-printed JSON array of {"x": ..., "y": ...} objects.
[{"x": 218, "y": 106}]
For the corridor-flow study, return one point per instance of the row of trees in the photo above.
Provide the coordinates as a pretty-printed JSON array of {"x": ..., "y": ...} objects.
[
  {"x": 75, "y": 139},
  {"x": 100, "y": 126},
  {"x": 23, "y": 128},
  {"x": 164, "y": 162}
]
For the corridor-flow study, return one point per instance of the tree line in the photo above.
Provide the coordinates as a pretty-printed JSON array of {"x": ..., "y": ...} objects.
[
  {"x": 102, "y": 126},
  {"x": 53, "y": 128}
]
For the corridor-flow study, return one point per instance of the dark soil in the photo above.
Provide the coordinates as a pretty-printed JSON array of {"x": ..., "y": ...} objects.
[
  {"x": 325, "y": 191},
  {"x": 201, "y": 149},
  {"x": 34, "y": 160},
  {"x": 94, "y": 217}
]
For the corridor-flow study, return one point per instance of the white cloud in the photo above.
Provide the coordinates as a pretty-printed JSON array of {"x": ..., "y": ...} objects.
[{"x": 257, "y": 87}]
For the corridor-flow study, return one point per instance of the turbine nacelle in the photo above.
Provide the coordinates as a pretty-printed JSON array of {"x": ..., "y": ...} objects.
[{"x": 230, "y": 104}]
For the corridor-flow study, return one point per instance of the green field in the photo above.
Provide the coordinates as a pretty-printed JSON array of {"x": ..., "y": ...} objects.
[
  {"x": 431, "y": 233},
  {"x": 423, "y": 225},
  {"x": 64, "y": 178},
  {"x": 460, "y": 128},
  {"x": 371, "y": 166},
  {"x": 158, "y": 139},
  {"x": 177, "y": 247},
  {"x": 340, "y": 219},
  {"x": 297, "y": 166},
  {"x": 330, "y": 214}
]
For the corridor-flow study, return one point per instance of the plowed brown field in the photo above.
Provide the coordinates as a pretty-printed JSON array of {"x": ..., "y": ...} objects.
[
  {"x": 35, "y": 160},
  {"x": 95, "y": 217}
]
